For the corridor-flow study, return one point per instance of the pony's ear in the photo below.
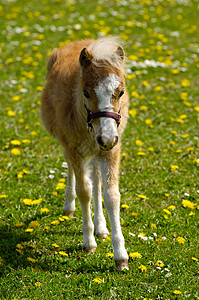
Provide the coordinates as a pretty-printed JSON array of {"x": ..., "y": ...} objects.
[
  {"x": 120, "y": 53},
  {"x": 85, "y": 58}
]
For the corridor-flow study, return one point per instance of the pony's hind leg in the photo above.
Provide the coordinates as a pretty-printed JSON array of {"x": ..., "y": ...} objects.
[
  {"x": 99, "y": 219},
  {"x": 70, "y": 194}
]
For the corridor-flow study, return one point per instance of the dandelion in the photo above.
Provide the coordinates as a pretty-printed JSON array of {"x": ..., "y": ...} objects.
[
  {"x": 143, "y": 268},
  {"x": 171, "y": 207},
  {"x": 27, "y": 201},
  {"x": 167, "y": 211},
  {"x": 37, "y": 284},
  {"x": 142, "y": 196},
  {"x": 98, "y": 280},
  {"x": 55, "y": 245},
  {"x": 11, "y": 113},
  {"x": 180, "y": 240},
  {"x": 125, "y": 206},
  {"x": 132, "y": 112},
  {"x": 177, "y": 292},
  {"x": 196, "y": 108},
  {"x": 159, "y": 263},
  {"x": 29, "y": 230},
  {"x": 15, "y": 142},
  {"x": 185, "y": 83},
  {"x": 15, "y": 151},
  {"x": 44, "y": 210},
  {"x": 110, "y": 255},
  {"x": 134, "y": 214},
  {"x": 194, "y": 258},
  {"x": 135, "y": 255},
  {"x": 189, "y": 204},
  {"x": 63, "y": 253},
  {"x": 32, "y": 260},
  {"x": 3, "y": 196},
  {"x": 60, "y": 186},
  {"x": 34, "y": 224},
  {"x": 174, "y": 168},
  {"x": 19, "y": 224},
  {"x": 139, "y": 143},
  {"x": 56, "y": 222}
]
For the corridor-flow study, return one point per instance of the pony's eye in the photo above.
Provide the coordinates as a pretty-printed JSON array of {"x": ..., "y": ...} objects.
[
  {"x": 121, "y": 93},
  {"x": 86, "y": 94}
]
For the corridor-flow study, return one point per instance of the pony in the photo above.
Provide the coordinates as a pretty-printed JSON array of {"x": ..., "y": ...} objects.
[{"x": 84, "y": 105}]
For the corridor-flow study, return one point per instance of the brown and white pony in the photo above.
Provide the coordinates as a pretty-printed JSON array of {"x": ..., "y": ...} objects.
[{"x": 85, "y": 89}]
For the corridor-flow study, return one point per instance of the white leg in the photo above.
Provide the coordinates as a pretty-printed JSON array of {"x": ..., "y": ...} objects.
[
  {"x": 84, "y": 193},
  {"x": 99, "y": 219},
  {"x": 112, "y": 203},
  {"x": 70, "y": 194}
]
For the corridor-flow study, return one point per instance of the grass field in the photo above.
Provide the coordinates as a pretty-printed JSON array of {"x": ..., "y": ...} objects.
[{"x": 41, "y": 256}]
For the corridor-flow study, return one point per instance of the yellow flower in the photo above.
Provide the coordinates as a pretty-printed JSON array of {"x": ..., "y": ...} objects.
[
  {"x": 19, "y": 224},
  {"x": 142, "y": 196},
  {"x": 38, "y": 201},
  {"x": 196, "y": 108},
  {"x": 98, "y": 280},
  {"x": 44, "y": 210},
  {"x": 63, "y": 253},
  {"x": 167, "y": 211},
  {"x": 139, "y": 143},
  {"x": 171, "y": 207},
  {"x": 125, "y": 206},
  {"x": 132, "y": 112},
  {"x": 110, "y": 255},
  {"x": 159, "y": 263},
  {"x": 189, "y": 204},
  {"x": 153, "y": 226},
  {"x": 32, "y": 260},
  {"x": 177, "y": 292},
  {"x": 15, "y": 142},
  {"x": 60, "y": 186},
  {"x": 29, "y": 230},
  {"x": 135, "y": 255},
  {"x": 11, "y": 113},
  {"x": 143, "y": 268},
  {"x": 27, "y": 201},
  {"x": 55, "y": 245},
  {"x": 174, "y": 168},
  {"x": 34, "y": 224},
  {"x": 180, "y": 240},
  {"x": 37, "y": 283},
  {"x": 194, "y": 258},
  {"x": 185, "y": 83},
  {"x": 148, "y": 122},
  {"x": 134, "y": 214},
  {"x": 3, "y": 196},
  {"x": 15, "y": 151},
  {"x": 15, "y": 98},
  {"x": 56, "y": 222}
]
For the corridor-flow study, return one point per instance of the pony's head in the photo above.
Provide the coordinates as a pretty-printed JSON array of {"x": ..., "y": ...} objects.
[{"x": 103, "y": 85}]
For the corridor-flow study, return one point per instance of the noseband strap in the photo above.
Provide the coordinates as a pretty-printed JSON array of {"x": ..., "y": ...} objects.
[{"x": 101, "y": 114}]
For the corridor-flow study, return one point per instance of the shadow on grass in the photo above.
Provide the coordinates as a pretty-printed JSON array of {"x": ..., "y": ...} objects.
[{"x": 46, "y": 258}]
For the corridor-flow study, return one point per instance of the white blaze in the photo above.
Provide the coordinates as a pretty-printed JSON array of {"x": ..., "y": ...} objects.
[{"x": 104, "y": 92}]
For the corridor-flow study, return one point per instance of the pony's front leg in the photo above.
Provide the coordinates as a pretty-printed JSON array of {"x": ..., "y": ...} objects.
[
  {"x": 84, "y": 193},
  {"x": 99, "y": 219},
  {"x": 110, "y": 168}
]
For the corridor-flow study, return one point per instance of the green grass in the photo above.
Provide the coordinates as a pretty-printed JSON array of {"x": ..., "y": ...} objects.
[{"x": 159, "y": 163}]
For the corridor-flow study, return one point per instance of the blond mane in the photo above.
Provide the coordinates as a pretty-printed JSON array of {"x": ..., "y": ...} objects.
[{"x": 105, "y": 49}]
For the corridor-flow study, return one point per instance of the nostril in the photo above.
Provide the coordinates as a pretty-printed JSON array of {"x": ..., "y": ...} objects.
[
  {"x": 99, "y": 140},
  {"x": 116, "y": 140}
]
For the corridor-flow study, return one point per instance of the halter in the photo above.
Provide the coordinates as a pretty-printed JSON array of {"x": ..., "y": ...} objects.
[{"x": 101, "y": 114}]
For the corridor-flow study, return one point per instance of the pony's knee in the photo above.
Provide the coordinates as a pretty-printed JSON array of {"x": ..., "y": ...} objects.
[
  {"x": 111, "y": 197},
  {"x": 84, "y": 191}
]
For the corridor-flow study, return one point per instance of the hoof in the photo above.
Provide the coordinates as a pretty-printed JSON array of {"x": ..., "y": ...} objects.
[
  {"x": 122, "y": 264},
  {"x": 89, "y": 250},
  {"x": 102, "y": 235},
  {"x": 69, "y": 214}
]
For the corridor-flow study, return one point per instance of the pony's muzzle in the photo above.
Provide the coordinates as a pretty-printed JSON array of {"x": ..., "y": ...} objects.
[{"x": 106, "y": 143}]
